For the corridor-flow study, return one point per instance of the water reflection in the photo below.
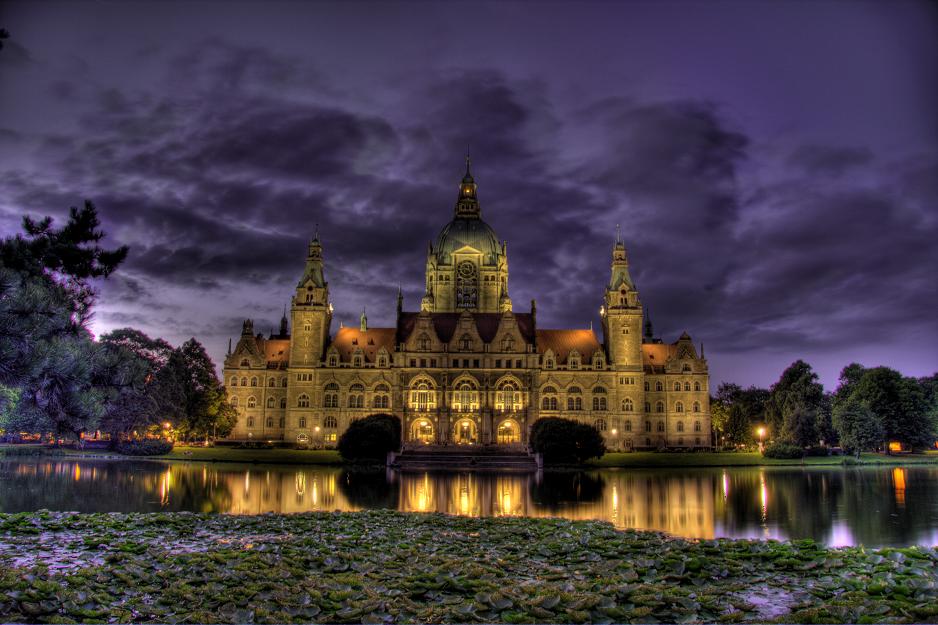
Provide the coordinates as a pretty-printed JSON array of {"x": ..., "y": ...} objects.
[{"x": 870, "y": 506}]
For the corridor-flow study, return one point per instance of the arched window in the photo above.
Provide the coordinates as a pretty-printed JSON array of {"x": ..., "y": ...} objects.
[
  {"x": 422, "y": 397},
  {"x": 465, "y": 343},
  {"x": 356, "y": 401},
  {"x": 696, "y": 386},
  {"x": 685, "y": 368},
  {"x": 659, "y": 407},
  {"x": 382, "y": 401},
  {"x": 357, "y": 360},
  {"x": 283, "y": 402},
  {"x": 271, "y": 382},
  {"x": 244, "y": 381},
  {"x": 686, "y": 386},
  {"x": 696, "y": 426},
  {"x": 659, "y": 386},
  {"x": 270, "y": 422},
  {"x": 465, "y": 397},
  {"x": 647, "y": 442},
  {"x": 696, "y": 406},
  {"x": 234, "y": 401},
  {"x": 628, "y": 426},
  {"x": 575, "y": 390},
  {"x": 302, "y": 401},
  {"x": 254, "y": 381},
  {"x": 382, "y": 361},
  {"x": 250, "y": 422},
  {"x": 549, "y": 390},
  {"x": 627, "y": 405},
  {"x": 549, "y": 363},
  {"x": 382, "y": 388},
  {"x": 330, "y": 422},
  {"x": 252, "y": 402},
  {"x": 508, "y": 397},
  {"x": 330, "y": 397},
  {"x": 423, "y": 343},
  {"x": 549, "y": 403},
  {"x": 508, "y": 344},
  {"x": 600, "y": 424},
  {"x": 648, "y": 426},
  {"x": 599, "y": 403},
  {"x": 679, "y": 407},
  {"x": 333, "y": 360},
  {"x": 282, "y": 421},
  {"x": 357, "y": 388},
  {"x": 575, "y": 403},
  {"x": 573, "y": 360},
  {"x": 647, "y": 386},
  {"x": 332, "y": 387},
  {"x": 245, "y": 363},
  {"x": 302, "y": 422},
  {"x": 234, "y": 381},
  {"x": 647, "y": 407},
  {"x": 270, "y": 402},
  {"x": 677, "y": 386},
  {"x": 680, "y": 426},
  {"x": 599, "y": 390},
  {"x": 661, "y": 426},
  {"x": 283, "y": 382}
]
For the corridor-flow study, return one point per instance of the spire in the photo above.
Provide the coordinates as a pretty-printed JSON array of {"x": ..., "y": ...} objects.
[
  {"x": 363, "y": 322},
  {"x": 467, "y": 204},
  {"x": 702, "y": 357},
  {"x": 229, "y": 347},
  {"x": 618, "y": 236},
  {"x": 283, "y": 322},
  {"x": 400, "y": 300},
  {"x": 649, "y": 330}
]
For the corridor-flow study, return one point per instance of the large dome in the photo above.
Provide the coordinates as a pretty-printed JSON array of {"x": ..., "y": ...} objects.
[{"x": 461, "y": 232}]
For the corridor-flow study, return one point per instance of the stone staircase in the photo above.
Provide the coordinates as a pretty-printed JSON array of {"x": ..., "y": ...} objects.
[{"x": 462, "y": 458}]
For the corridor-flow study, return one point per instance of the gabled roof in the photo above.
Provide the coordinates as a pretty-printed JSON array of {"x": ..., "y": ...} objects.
[
  {"x": 657, "y": 354},
  {"x": 445, "y": 325},
  {"x": 562, "y": 342},
  {"x": 276, "y": 351},
  {"x": 347, "y": 340}
]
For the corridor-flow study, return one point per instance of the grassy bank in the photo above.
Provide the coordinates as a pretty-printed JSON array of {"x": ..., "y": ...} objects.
[
  {"x": 737, "y": 459},
  {"x": 383, "y": 567},
  {"x": 200, "y": 454}
]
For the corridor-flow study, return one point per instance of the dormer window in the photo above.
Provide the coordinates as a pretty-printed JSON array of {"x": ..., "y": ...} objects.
[
  {"x": 333, "y": 360},
  {"x": 357, "y": 360},
  {"x": 245, "y": 363}
]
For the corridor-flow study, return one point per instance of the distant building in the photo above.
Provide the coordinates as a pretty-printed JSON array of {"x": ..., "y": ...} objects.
[{"x": 466, "y": 368}]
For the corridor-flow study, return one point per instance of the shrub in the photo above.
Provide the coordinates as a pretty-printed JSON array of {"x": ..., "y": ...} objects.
[
  {"x": 145, "y": 447},
  {"x": 783, "y": 451},
  {"x": 565, "y": 441},
  {"x": 371, "y": 438},
  {"x": 818, "y": 451}
]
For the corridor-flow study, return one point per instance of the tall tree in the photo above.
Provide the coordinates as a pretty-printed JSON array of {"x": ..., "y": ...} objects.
[
  {"x": 202, "y": 403},
  {"x": 858, "y": 428},
  {"x": 901, "y": 405},
  {"x": 797, "y": 406}
]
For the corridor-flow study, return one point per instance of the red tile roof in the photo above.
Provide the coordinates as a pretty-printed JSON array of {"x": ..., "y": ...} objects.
[
  {"x": 562, "y": 342},
  {"x": 347, "y": 340},
  {"x": 445, "y": 325}
]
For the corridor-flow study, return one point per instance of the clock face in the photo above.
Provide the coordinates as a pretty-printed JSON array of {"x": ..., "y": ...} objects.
[{"x": 466, "y": 270}]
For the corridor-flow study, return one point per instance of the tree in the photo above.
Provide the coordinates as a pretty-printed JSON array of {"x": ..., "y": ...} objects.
[
  {"x": 900, "y": 404},
  {"x": 194, "y": 395},
  {"x": 371, "y": 438},
  {"x": 565, "y": 441},
  {"x": 796, "y": 410},
  {"x": 858, "y": 428}
]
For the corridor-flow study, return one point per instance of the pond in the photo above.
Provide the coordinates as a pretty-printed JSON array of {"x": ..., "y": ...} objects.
[{"x": 871, "y": 506}]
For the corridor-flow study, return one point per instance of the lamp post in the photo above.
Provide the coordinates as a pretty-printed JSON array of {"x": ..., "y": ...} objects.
[{"x": 761, "y": 432}]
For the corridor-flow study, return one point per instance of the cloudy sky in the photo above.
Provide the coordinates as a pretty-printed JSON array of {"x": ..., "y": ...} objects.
[{"x": 773, "y": 165}]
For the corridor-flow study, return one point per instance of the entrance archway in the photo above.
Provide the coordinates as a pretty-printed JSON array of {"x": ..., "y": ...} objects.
[
  {"x": 465, "y": 432},
  {"x": 422, "y": 431},
  {"x": 508, "y": 432}
]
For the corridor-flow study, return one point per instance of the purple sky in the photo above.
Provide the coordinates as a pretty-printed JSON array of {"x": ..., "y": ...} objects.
[{"x": 774, "y": 165}]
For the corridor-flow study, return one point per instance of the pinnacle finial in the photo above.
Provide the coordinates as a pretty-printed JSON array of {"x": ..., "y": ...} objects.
[{"x": 618, "y": 237}]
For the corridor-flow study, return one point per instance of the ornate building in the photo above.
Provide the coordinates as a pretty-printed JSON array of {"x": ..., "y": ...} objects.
[{"x": 468, "y": 369}]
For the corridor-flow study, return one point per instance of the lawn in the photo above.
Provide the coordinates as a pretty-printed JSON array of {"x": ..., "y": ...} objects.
[
  {"x": 730, "y": 459},
  {"x": 200, "y": 454},
  {"x": 390, "y": 567}
]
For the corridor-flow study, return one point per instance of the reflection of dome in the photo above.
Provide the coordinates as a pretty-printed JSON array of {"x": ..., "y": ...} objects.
[{"x": 461, "y": 232}]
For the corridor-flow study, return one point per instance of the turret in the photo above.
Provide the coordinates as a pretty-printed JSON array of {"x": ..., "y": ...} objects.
[
  {"x": 311, "y": 310},
  {"x": 621, "y": 312},
  {"x": 363, "y": 322}
]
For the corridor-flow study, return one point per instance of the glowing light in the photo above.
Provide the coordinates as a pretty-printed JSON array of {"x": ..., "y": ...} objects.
[
  {"x": 167, "y": 425},
  {"x": 77, "y": 472},
  {"x": 895, "y": 446},
  {"x": 317, "y": 428},
  {"x": 615, "y": 431},
  {"x": 898, "y": 481},
  {"x": 726, "y": 486}
]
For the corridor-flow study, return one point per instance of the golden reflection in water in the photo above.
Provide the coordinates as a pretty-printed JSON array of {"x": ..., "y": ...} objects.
[
  {"x": 77, "y": 471},
  {"x": 898, "y": 482},
  {"x": 764, "y": 498},
  {"x": 726, "y": 486},
  {"x": 165, "y": 485}
]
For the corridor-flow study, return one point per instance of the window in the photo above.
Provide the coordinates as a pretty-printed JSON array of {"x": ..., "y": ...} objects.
[
  {"x": 302, "y": 401},
  {"x": 659, "y": 407},
  {"x": 283, "y": 402},
  {"x": 647, "y": 407},
  {"x": 356, "y": 401},
  {"x": 302, "y": 422},
  {"x": 574, "y": 403},
  {"x": 599, "y": 403},
  {"x": 679, "y": 407},
  {"x": 465, "y": 343},
  {"x": 270, "y": 402},
  {"x": 680, "y": 426},
  {"x": 234, "y": 382},
  {"x": 628, "y": 426},
  {"x": 250, "y": 422},
  {"x": 332, "y": 387},
  {"x": 271, "y": 382},
  {"x": 382, "y": 361},
  {"x": 357, "y": 360},
  {"x": 573, "y": 362},
  {"x": 648, "y": 426},
  {"x": 659, "y": 386},
  {"x": 696, "y": 426},
  {"x": 600, "y": 424},
  {"x": 244, "y": 381},
  {"x": 252, "y": 402},
  {"x": 686, "y": 386},
  {"x": 245, "y": 363},
  {"x": 647, "y": 386},
  {"x": 330, "y": 422},
  {"x": 685, "y": 368},
  {"x": 234, "y": 402},
  {"x": 422, "y": 397},
  {"x": 696, "y": 386},
  {"x": 382, "y": 388},
  {"x": 465, "y": 397},
  {"x": 333, "y": 360},
  {"x": 696, "y": 406},
  {"x": 357, "y": 388},
  {"x": 382, "y": 401},
  {"x": 330, "y": 400},
  {"x": 549, "y": 363},
  {"x": 549, "y": 403},
  {"x": 270, "y": 422},
  {"x": 253, "y": 381},
  {"x": 549, "y": 390},
  {"x": 627, "y": 405},
  {"x": 677, "y": 386},
  {"x": 423, "y": 343},
  {"x": 508, "y": 397},
  {"x": 283, "y": 382},
  {"x": 508, "y": 344},
  {"x": 661, "y": 426},
  {"x": 282, "y": 421},
  {"x": 697, "y": 441}
]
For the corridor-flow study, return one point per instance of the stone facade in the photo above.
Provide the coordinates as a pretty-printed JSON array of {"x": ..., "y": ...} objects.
[{"x": 467, "y": 368}]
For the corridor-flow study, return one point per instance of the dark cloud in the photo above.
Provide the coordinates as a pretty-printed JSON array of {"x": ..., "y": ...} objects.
[{"x": 833, "y": 161}]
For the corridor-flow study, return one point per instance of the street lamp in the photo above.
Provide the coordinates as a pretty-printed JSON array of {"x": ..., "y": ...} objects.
[{"x": 761, "y": 432}]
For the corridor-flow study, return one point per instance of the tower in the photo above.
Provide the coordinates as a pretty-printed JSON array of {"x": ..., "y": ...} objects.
[
  {"x": 311, "y": 311},
  {"x": 622, "y": 312}
]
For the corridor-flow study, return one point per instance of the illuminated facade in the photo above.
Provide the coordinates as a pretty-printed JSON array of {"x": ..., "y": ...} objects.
[{"x": 467, "y": 368}]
